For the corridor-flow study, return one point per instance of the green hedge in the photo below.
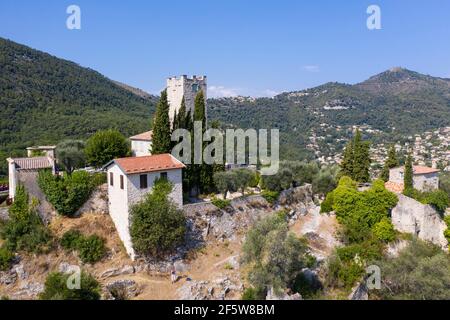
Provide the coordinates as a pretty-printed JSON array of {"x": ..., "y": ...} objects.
[{"x": 69, "y": 192}]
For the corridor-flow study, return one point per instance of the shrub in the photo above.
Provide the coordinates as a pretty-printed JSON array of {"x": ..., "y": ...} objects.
[
  {"x": 68, "y": 193},
  {"x": 342, "y": 274},
  {"x": 24, "y": 230},
  {"x": 253, "y": 294},
  {"x": 105, "y": 146},
  {"x": 56, "y": 288},
  {"x": 99, "y": 178},
  {"x": 6, "y": 258},
  {"x": 221, "y": 204},
  {"x": 384, "y": 230},
  {"x": 420, "y": 272},
  {"x": 157, "y": 225},
  {"x": 273, "y": 256},
  {"x": 91, "y": 249},
  {"x": 70, "y": 239},
  {"x": 270, "y": 196},
  {"x": 447, "y": 231},
  {"x": 327, "y": 205},
  {"x": 438, "y": 199},
  {"x": 308, "y": 287}
]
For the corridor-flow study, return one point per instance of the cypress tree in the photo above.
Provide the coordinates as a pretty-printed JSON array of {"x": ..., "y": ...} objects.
[
  {"x": 391, "y": 162},
  {"x": 361, "y": 159},
  {"x": 200, "y": 108},
  {"x": 161, "y": 127},
  {"x": 182, "y": 115},
  {"x": 347, "y": 161},
  {"x": 408, "y": 175}
]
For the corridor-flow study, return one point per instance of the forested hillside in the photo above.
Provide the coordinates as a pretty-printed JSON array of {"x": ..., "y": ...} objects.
[
  {"x": 44, "y": 99},
  {"x": 393, "y": 104}
]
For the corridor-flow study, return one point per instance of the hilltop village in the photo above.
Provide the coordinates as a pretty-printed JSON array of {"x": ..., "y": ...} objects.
[{"x": 135, "y": 222}]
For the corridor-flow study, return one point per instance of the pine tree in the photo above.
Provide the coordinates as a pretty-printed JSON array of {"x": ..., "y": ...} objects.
[
  {"x": 408, "y": 175},
  {"x": 161, "y": 127},
  {"x": 391, "y": 162},
  {"x": 361, "y": 159}
]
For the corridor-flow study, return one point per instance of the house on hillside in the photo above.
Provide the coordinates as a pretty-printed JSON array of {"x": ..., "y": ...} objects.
[
  {"x": 131, "y": 179},
  {"x": 424, "y": 178},
  {"x": 141, "y": 144},
  {"x": 24, "y": 171}
]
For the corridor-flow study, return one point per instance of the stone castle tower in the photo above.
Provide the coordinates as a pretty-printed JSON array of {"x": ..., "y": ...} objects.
[{"x": 187, "y": 87}]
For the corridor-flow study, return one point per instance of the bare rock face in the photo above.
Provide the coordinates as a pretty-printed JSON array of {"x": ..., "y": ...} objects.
[
  {"x": 411, "y": 216},
  {"x": 218, "y": 289},
  {"x": 272, "y": 295},
  {"x": 97, "y": 203}
]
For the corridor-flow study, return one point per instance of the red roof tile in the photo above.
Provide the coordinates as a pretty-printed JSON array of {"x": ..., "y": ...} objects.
[
  {"x": 394, "y": 187},
  {"x": 424, "y": 170},
  {"x": 153, "y": 163},
  {"x": 145, "y": 136}
]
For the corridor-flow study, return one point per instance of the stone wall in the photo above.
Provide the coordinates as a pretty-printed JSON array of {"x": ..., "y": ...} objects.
[{"x": 411, "y": 216}]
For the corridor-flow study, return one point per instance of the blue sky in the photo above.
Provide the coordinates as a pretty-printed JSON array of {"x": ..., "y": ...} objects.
[{"x": 246, "y": 47}]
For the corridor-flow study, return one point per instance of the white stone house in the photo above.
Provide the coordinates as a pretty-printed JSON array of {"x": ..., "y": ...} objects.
[
  {"x": 424, "y": 178},
  {"x": 141, "y": 144},
  {"x": 24, "y": 171},
  {"x": 131, "y": 179}
]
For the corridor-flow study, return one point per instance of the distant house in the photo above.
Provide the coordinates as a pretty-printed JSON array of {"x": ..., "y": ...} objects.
[
  {"x": 424, "y": 178},
  {"x": 131, "y": 179},
  {"x": 141, "y": 144},
  {"x": 44, "y": 151}
]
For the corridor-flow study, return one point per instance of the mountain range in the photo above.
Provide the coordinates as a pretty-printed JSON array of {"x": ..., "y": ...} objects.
[{"x": 44, "y": 99}]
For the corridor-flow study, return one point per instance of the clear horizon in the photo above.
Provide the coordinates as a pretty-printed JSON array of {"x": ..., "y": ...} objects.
[{"x": 249, "y": 49}]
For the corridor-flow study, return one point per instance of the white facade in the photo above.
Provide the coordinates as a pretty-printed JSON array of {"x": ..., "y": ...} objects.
[
  {"x": 187, "y": 87},
  {"x": 121, "y": 200},
  {"x": 426, "y": 181},
  {"x": 140, "y": 148}
]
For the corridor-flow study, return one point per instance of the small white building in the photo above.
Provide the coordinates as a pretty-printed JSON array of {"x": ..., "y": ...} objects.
[
  {"x": 141, "y": 144},
  {"x": 424, "y": 178},
  {"x": 131, "y": 179},
  {"x": 24, "y": 171}
]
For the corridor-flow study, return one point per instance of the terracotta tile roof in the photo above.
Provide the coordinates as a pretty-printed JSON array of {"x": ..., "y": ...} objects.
[
  {"x": 394, "y": 187},
  {"x": 145, "y": 136},
  {"x": 32, "y": 163},
  {"x": 153, "y": 163},
  {"x": 424, "y": 170}
]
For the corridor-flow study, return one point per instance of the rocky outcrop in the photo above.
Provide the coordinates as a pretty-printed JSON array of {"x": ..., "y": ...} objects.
[
  {"x": 218, "y": 289},
  {"x": 210, "y": 223},
  {"x": 360, "y": 292},
  {"x": 97, "y": 203},
  {"x": 411, "y": 216}
]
